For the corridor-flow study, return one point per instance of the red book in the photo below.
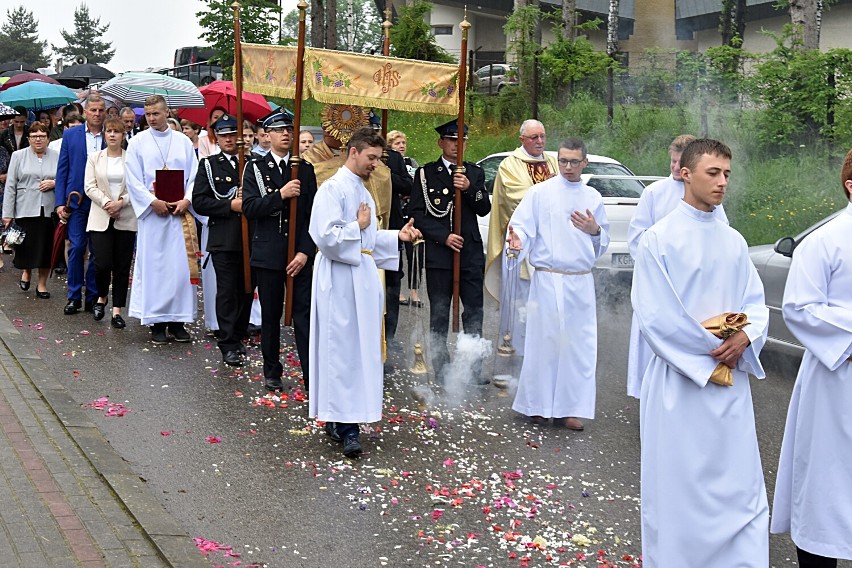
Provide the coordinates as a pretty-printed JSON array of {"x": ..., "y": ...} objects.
[{"x": 168, "y": 185}]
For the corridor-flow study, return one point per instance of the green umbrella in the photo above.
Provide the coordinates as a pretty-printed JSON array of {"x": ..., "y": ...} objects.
[{"x": 37, "y": 95}]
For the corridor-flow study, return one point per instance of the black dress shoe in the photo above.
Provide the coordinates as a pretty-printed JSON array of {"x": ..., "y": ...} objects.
[
  {"x": 99, "y": 310},
  {"x": 331, "y": 430},
  {"x": 404, "y": 302},
  {"x": 89, "y": 307},
  {"x": 273, "y": 384},
  {"x": 232, "y": 358},
  {"x": 352, "y": 446},
  {"x": 253, "y": 330},
  {"x": 24, "y": 284},
  {"x": 179, "y": 332},
  {"x": 72, "y": 307},
  {"x": 158, "y": 334},
  {"x": 118, "y": 322},
  {"x": 242, "y": 350},
  {"x": 43, "y": 295}
]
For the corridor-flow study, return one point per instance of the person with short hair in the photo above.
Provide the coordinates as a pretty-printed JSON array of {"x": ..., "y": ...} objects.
[
  {"x": 702, "y": 488},
  {"x": 306, "y": 141},
  {"x": 264, "y": 142},
  {"x": 79, "y": 143},
  {"x": 192, "y": 130},
  {"x": 526, "y": 166},
  {"x": 560, "y": 227},
  {"x": 16, "y": 136},
  {"x": 347, "y": 307},
  {"x": 398, "y": 142},
  {"x": 657, "y": 200},
  {"x": 813, "y": 492},
  {"x": 166, "y": 269},
  {"x": 128, "y": 118},
  {"x": 267, "y": 194},
  {"x": 432, "y": 208},
  {"x": 112, "y": 224},
  {"x": 71, "y": 120},
  {"x": 28, "y": 200},
  {"x": 216, "y": 196}
]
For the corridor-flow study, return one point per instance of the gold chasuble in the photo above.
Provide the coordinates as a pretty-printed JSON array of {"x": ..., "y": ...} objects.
[
  {"x": 326, "y": 164},
  {"x": 517, "y": 173}
]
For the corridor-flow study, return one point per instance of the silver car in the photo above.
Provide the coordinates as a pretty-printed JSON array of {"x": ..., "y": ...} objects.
[
  {"x": 491, "y": 79},
  {"x": 617, "y": 185},
  {"x": 773, "y": 264}
]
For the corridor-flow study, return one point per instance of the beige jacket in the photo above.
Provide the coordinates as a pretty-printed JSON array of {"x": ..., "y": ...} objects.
[{"x": 97, "y": 188}]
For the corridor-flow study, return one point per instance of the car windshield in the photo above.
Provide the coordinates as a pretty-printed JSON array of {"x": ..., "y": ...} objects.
[{"x": 607, "y": 187}]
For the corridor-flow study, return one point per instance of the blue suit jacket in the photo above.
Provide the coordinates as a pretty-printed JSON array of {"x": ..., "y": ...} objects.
[{"x": 71, "y": 172}]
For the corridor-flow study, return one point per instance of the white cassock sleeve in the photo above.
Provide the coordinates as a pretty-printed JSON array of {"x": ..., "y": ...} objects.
[
  {"x": 825, "y": 329},
  {"x": 601, "y": 242},
  {"x": 754, "y": 306},
  {"x": 337, "y": 239},
  {"x": 523, "y": 223},
  {"x": 140, "y": 197},
  {"x": 386, "y": 249},
  {"x": 642, "y": 220}
]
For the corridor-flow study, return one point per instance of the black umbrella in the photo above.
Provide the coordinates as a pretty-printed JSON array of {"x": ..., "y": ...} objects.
[
  {"x": 81, "y": 75},
  {"x": 12, "y": 73},
  {"x": 16, "y": 66}
]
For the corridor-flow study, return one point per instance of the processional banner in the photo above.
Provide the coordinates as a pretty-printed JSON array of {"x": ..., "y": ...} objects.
[{"x": 342, "y": 77}]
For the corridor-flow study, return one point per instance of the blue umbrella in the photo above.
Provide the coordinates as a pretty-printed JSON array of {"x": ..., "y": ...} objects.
[{"x": 37, "y": 95}]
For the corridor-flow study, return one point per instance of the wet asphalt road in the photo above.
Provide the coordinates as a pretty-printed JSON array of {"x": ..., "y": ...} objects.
[{"x": 466, "y": 483}]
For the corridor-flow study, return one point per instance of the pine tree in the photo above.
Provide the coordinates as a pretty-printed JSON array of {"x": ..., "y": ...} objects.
[
  {"x": 411, "y": 36},
  {"x": 19, "y": 39},
  {"x": 84, "y": 39}
]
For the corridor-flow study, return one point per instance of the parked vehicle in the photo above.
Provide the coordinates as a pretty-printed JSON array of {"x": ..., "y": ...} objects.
[
  {"x": 193, "y": 64},
  {"x": 620, "y": 190},
  {"x": 773, "y": 264},
  {"x": 491, "y": 79}
]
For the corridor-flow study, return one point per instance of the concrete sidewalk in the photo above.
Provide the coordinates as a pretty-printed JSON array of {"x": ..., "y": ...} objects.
[{"x": 66, "y": 498}]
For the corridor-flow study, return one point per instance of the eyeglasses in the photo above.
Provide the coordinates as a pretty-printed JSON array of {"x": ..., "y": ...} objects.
[
  {"x": 38, "y": 136},
  {"x": 281, "y": 129},
  {"x": 572, "y": 163}
]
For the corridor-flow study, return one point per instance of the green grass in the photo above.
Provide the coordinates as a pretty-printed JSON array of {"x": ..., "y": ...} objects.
[{"x": 770, "y": 196}]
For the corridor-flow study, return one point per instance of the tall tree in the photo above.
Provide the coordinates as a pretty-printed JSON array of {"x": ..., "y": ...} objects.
[
  {"x": 19, "y": 39},
  {"x": 412, "y": 37},
  {"x": 612, "y": 52},
  {"x": 85, "y": 39},
  {"x": 805, "y": 16},
  {"x": 367, "y": 32},
  {"x": 732, "y": 22},
  {"x": 258, "y": 22},
  {"x": 569, "y": 19}
]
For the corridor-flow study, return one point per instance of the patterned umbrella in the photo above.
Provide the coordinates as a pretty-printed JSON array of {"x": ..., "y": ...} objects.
[
  {"x": 37, "y": 95},
  {"x": 7, "y": 112},
  {"x": 134, "y": 88},
  {"x": 22, "y": 78}
]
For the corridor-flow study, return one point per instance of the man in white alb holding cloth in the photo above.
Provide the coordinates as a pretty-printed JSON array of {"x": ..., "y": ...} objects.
[
  {"x": 560, "y": 227},
  {"x": 658, "y": 200},
  {"x": 163, "y": 292},
  {"x": 813, "y": 491},
  {"x": 347, "y": 307},
  {"x": 526, "y": 166},
  {"x": 703, "y": 494}
]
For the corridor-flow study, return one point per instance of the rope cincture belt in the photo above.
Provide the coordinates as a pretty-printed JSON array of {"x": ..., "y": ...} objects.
[
  {"x": 555, "y": 271},
  {"x": 365, "y": 251}
]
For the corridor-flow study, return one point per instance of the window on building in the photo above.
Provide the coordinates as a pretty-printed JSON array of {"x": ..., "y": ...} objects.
[{"x": 442, "y": 30}]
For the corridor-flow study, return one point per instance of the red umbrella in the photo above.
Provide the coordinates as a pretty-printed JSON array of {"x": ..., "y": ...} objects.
[
  {"x": 223, "y": 94},
  {"x": 21, "y": 78},
  {"x": 58, "y": 250}
]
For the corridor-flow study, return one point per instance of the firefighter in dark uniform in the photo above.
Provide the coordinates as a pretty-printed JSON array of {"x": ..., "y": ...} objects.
[
  {"x": 267, "y": 189},
  {"x": 216, "y": 196},
  {"x": 431, "y": 206}
]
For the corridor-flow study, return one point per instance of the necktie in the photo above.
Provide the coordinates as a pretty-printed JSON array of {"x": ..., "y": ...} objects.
[
  {"x": 452, "y": 169},
  {"x": 236, "y": 163},
  {"x": 283, "y": 164}
]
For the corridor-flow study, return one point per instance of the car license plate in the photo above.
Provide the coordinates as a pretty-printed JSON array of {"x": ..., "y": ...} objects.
[{"x": 622, "y": 261}]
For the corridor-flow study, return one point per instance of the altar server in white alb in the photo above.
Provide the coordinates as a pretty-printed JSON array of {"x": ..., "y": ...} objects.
[
  {"x": 348, "y": 297},
  {"x": 658, "y": 200},
  {"x": 813, "y": 492},
  {"x": 560, "y": 227},
  {"x": 703, "y": 494},
  {"x": 162, "y": 295}
]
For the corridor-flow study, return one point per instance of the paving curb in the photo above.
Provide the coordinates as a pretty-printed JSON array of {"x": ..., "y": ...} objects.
[{"x": 158, "y": 525}]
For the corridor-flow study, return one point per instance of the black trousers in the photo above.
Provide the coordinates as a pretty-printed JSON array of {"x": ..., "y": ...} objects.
[
  {"x": 113, "y": 257},
  {"x": 233, "y": 304},
  {"x": 270, "y": 291},
  {"x": 393, "y": 284},
  {"x": 439, "y": 286},
  {"x": 808, "y": 560}
]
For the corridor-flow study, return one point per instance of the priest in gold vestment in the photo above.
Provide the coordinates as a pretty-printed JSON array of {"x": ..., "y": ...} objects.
[
  {"x": 522, "y": 169},
  {"x": 339, "y": 122}
]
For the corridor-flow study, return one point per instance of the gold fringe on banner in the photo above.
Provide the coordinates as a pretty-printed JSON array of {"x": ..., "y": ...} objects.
[{"x": 337, "y": 77}]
